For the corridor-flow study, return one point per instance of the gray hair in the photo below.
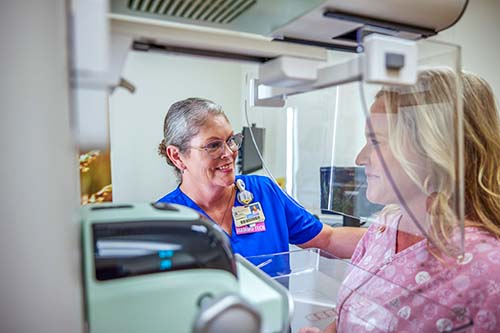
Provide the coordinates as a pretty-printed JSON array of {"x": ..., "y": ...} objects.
[{"x": 183, "y": 121}]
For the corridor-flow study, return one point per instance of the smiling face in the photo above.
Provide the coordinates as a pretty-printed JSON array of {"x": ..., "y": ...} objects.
[
  {"x": 205, "y": 171},
  {"x": 380, "y": 189}
]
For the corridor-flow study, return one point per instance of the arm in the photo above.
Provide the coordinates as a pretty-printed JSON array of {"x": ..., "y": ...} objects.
[
  {"x": 332, "y": 328},
  {"x": 340, "y": 241},
  {"x": 302, "y": 225}
]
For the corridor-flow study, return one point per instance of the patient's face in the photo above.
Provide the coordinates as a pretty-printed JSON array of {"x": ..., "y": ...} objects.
[{"x": 384, "y": 171}]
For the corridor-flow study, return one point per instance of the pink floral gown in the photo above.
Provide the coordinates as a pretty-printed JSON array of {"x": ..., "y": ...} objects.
[{"x": 413, "y": 291}]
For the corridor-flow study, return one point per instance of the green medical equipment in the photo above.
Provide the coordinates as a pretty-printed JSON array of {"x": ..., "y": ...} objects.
[{"x": 165, "y": 268}]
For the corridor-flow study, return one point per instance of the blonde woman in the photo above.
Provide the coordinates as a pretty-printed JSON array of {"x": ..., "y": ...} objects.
[{"x": 411, "y": 272}]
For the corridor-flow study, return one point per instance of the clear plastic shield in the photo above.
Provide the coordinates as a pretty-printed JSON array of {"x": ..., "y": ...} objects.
[{"x": 391, "y": 155}]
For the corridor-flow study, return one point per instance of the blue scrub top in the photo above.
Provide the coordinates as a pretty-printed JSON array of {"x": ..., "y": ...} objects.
[{"x": 287, "y": 222}]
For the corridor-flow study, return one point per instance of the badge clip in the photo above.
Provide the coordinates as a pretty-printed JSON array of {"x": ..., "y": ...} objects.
[{"x": 244, "y": 197}]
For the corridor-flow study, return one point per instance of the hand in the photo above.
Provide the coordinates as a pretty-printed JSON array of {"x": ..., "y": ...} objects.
[{"x": 332, "y": 328}]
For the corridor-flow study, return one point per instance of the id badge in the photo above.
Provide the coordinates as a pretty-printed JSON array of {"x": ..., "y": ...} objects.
[{"x": 249, "y": 219}]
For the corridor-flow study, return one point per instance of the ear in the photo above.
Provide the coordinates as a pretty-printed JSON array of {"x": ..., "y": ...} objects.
[{"x": 175, "y": 156}]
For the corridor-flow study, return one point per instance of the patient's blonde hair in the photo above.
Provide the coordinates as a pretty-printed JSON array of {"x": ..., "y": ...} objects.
[{"x": 426, "y": 125}]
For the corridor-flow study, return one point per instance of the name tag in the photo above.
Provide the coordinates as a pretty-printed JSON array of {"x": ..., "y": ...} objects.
[{"x": 249, "y": 218}]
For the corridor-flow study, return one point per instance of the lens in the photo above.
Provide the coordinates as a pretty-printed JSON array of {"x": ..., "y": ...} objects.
[
  {"x": 214, "y": 146},
  {"x": 235, "y": 141}
]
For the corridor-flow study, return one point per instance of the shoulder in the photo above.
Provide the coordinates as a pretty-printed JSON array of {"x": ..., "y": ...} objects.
[
  {"x": 254, "y": 179},
  {"x": 173, "y": 197},
  {"x": 480, "y": 266},
  {"x": 483, "y": 247}
]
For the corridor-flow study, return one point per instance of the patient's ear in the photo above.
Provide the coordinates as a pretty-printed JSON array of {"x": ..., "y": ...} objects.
[{"x": 174, "y": 154}]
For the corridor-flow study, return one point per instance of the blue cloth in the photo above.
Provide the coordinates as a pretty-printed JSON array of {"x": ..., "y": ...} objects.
[{"x": 286, "y": 222}]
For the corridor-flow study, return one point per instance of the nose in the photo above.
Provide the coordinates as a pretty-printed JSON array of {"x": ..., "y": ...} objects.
[{"x": 361, "y": 158}]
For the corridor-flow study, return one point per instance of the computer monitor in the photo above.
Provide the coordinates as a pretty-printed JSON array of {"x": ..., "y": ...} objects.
[
  {"x": 343, "y": 191},
  {"x": 249, "y": 160}
]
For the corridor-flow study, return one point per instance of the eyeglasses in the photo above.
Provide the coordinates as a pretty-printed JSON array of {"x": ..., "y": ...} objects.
[{"x": 216, "y": 147}]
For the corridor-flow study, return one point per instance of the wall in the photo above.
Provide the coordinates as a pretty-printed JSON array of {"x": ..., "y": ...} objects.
[
  {"x": 477, "y": 34},
  {"x": 136, "y": 120}
]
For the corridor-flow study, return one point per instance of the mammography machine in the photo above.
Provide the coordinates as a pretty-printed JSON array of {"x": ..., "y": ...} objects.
[{"x": 164, "y": 268}]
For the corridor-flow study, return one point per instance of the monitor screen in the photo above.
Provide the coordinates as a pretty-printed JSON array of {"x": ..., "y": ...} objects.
[
  {"x": 343, "y": 190},
  {"x": 249, "y": 160}
]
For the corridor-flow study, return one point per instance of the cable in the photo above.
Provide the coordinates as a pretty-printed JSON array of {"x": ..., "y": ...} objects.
[{"x": 264, "y": 164}]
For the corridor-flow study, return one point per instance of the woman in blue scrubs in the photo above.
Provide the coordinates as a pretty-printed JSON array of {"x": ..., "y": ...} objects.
[{"x": 258, "y": 217}]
